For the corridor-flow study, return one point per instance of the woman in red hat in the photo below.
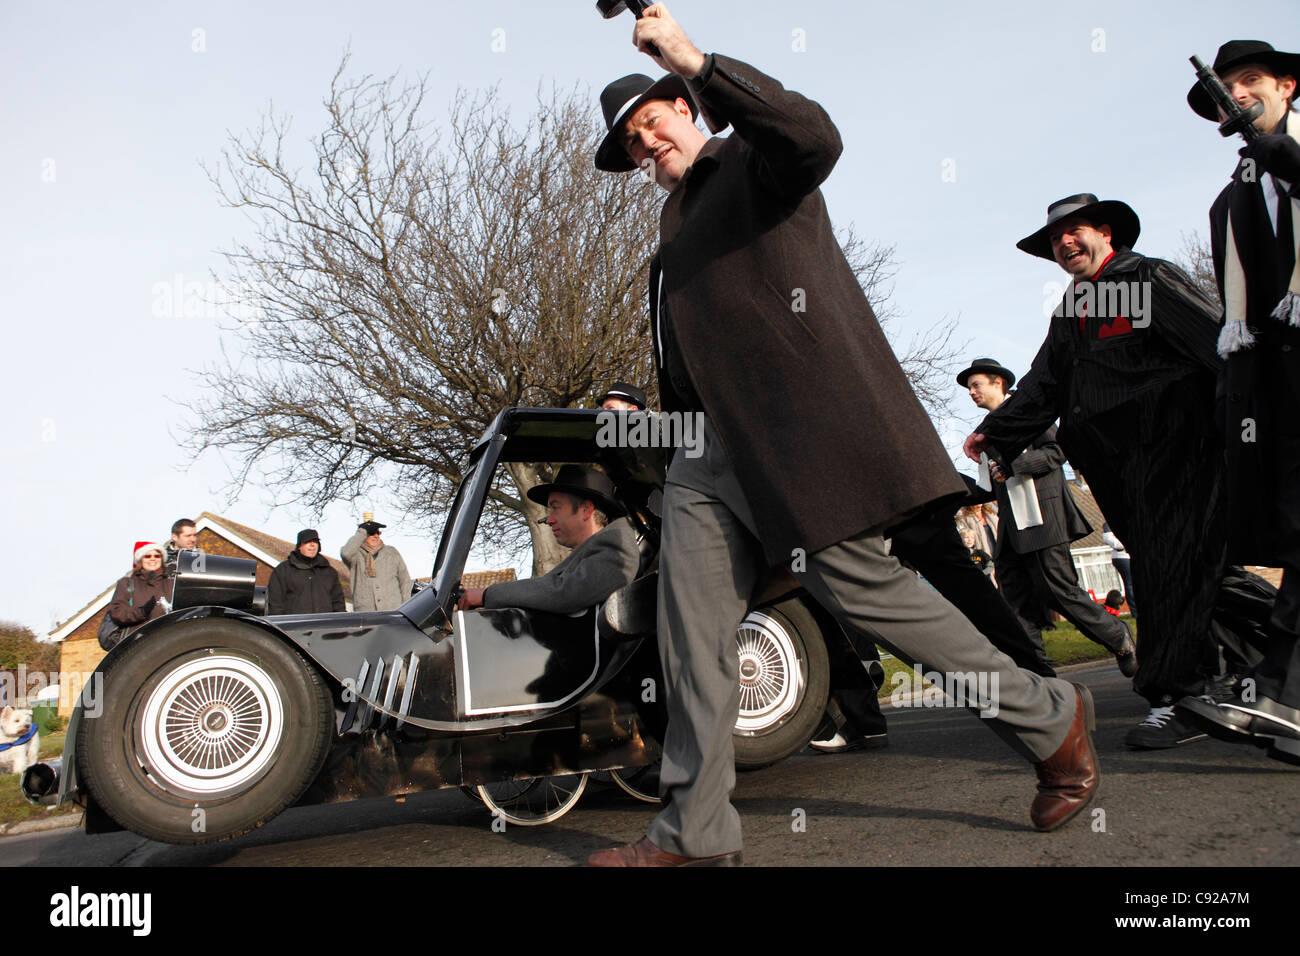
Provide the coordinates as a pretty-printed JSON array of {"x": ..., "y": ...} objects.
[{"x": 145, "y": 593}]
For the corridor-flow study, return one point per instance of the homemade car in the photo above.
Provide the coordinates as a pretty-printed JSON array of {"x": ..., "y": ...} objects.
[{"x": 204, "y": 724}]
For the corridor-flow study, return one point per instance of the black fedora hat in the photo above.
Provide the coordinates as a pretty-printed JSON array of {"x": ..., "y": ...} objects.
[
  {"x": 624, "y": 97},
  {"x": 626, "y": 392},
  {"x": 1236, "y": 53},
  {"x": 585, "y": 483},
  {"x": 1123, "y": 222},
  {"x": 986, "y": 366}
]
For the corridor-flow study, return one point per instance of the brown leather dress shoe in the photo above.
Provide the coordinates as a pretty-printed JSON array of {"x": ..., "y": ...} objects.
[
  {"x": 1067, "y": 780},
  {"x": 646, "y": 853}
]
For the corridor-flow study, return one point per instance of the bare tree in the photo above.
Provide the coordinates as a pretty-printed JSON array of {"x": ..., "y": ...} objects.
[
  {"x": 417, "y": 280},
  {"x": 931, "y": 356},
  {"x": 415, "y": 283},
  {"x": 1197, "y": 260}
]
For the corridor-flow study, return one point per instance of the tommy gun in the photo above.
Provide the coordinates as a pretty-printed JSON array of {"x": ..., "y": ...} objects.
[
  {"x": 612, "y": 8},
  {"x": 1240, "y": 120}
]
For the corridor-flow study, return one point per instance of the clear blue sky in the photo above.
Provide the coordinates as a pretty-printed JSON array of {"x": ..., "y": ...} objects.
[{"x": 108, "y": 110}]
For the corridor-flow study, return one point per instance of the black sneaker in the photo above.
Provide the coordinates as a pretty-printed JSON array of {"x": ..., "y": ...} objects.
[{"x": 1162, "y": 730}]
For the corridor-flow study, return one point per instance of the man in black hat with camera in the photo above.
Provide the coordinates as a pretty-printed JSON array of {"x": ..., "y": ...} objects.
[
  {"x": 305, "y": 582},
  {"x": 761, "y": 328},
  {"x": 1254, "y": 228},
  {"x": 1129, "y": 367},
  {"x": 582, "y": 512},
  {"x": 1035, "y": 568}
]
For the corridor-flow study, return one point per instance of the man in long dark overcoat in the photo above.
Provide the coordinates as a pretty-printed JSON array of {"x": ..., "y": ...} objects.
[
  {"x": 762, "y": 330},
  {"x": 1129, "y": 367},
  {"x": 1254, "y": 232}
]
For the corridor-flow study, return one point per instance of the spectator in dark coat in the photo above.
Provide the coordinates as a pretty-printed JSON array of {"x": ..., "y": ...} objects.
[{"x": 305, "y": 582}]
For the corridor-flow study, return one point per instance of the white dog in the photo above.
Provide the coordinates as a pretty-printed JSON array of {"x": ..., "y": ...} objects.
[{"x": 15, "y": 724}]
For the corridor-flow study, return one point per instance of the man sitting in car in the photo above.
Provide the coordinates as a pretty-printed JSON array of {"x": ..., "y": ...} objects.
[{"x": 581, "y": 511}]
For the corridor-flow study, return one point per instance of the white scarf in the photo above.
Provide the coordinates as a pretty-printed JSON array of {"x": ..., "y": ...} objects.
[{"x": 1235, "y": 334}]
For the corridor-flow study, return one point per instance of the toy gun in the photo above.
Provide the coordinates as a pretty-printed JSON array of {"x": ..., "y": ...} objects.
[
  {"x": 1240, "y": 120},
  {"x": 612, "y": 8}
]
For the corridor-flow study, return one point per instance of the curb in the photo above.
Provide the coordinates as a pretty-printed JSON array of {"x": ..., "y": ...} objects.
[{"x": 61, "y": 822}]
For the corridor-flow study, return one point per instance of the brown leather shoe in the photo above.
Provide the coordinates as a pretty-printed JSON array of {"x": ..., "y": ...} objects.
[
  {"x": 1067, "y": 780},
  {"x": 646, "y": 853}
]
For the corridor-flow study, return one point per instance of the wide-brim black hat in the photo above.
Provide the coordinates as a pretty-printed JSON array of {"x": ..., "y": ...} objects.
[
  {"x": 1123, "y": 222},
  {"x": 1236, "y": 53},
  {"x": 627, "y": 392},
  {"x": 624, "y": 97},
  {"x": 585, "y": 483},
  {"x": 986, "y": 366}
]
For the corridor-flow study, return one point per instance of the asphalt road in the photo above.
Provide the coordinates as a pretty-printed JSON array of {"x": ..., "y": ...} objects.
[{"x": 944, "y": 792}]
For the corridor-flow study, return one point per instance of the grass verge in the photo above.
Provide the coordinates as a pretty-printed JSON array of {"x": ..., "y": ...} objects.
[
  {"x": 14, "y": 807},
  {"x": 1065, "y": 645}
]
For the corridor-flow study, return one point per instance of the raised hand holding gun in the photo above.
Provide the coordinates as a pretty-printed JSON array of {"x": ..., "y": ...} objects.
[{"x": 1239, "y": 119}]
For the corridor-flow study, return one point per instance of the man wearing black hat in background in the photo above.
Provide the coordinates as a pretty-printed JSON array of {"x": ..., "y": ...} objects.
[
  {"x": 1035, "y": 569},
  {"x": 1254, "y": 227},
  {"x": 761, "y": 328},
  {"x": 380, "y": 581},
  {"x": 1129, "y": 368},
  {"x": 305, "y": 582},
  {"x": 622, "y": 397},
  {"x": 581, "y": 512}
]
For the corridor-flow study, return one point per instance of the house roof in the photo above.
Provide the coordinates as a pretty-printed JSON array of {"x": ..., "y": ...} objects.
[
  {"x": 1092, "y": 511},
  {"x": 265, "y": 547},
  {"x": 481, "y": 579}
]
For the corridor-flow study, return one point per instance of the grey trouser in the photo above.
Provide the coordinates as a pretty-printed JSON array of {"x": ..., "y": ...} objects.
[{"x": 711, "y": 564}]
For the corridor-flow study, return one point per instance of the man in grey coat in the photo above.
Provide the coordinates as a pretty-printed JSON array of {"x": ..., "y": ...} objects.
[
  {"x": 579, "y": 509},
  {"x": 762, "y": 331},
  {"x": 380, "y": 581}
]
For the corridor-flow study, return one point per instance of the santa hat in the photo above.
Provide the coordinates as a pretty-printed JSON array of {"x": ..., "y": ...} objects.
[{"x": 144, "y": 547}]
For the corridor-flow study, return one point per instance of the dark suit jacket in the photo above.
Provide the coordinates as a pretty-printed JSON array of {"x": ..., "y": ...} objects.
[
  {"x": 589, "y": 574},
  {"x": 1063, "y": 522},
  {"x": 775, "y": 332}
]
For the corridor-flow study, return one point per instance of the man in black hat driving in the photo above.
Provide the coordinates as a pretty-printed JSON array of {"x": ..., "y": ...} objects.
[
  {"x": 761, "y": 328},
  {"x": 1128, "y": 367},
  {"x": 1035, "y": 569},
  {"x": 1254, "y": 230},
  {"x": 581, "y": 511}
]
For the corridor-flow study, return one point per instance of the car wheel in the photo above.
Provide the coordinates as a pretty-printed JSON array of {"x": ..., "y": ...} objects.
[
  {"x": 639, "y": 782},
  {"x": 531, "y": 803},
  {"x": 784, "y": 684},
  {"x": 208, "y": 729}
]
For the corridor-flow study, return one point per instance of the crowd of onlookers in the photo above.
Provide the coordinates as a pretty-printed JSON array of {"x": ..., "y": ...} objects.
[{"x": 303, "y": 583}]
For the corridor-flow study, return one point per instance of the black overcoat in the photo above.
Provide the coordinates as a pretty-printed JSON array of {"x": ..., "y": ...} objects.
[
  {"x": 782, "y": 348},
  {"x": 300, "y": 585}
]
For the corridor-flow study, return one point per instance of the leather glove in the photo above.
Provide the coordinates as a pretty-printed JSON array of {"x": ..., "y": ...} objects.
[{"x": 1277, "y": 154}]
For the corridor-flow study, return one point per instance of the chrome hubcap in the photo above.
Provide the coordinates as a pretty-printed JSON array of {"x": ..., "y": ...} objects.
[
  {"x": 213, "y": 724},
  {"x": 771, "y": 681}
]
